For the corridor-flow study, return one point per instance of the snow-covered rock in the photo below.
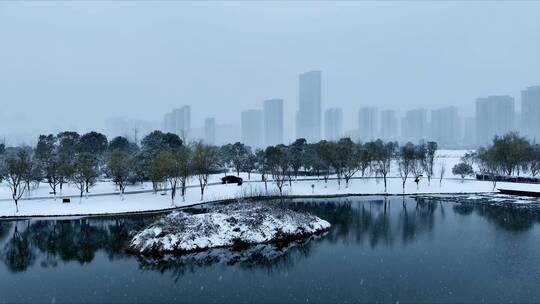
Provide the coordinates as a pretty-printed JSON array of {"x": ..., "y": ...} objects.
[{"x": 236, "y": 224}]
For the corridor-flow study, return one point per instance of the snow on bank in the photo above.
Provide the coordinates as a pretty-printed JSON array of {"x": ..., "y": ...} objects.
[
  {"x": 226, "y": 225},
  {"x": 491, "y": 199},
  {"x": 143, "y": 202}
]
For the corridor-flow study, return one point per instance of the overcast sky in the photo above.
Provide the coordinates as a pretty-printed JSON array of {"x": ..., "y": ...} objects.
[{"x": 66, "y": 65}]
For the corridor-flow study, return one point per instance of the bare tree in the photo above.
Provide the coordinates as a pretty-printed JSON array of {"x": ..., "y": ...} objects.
[
  {"x": 382, "y": 154},
  {"x": 250, "y": 163},
  {"x": 205, "y": 158},
  {"x": 534, "y": 163},
  {"x": 178, "y": 168},
  {"x": 46, "y": 153},
  {"x": 442, "y": 171},
  {"x": 85, "y": 172},
  {"x": 119, "y": 168},
  {"x": 406, "y": 162},
  {"x": 349, "y": 154},
  {"x": 262, "y": 167},
  {"x": 15, "y": 169},
  {"x": 429, "y": 160},
  {"x": 184, "y": 158},
  {"x": 278, "y": 165},
  {"x": 490, "y": 165}
]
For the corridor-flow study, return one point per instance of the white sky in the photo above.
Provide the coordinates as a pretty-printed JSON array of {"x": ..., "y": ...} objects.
[{"x": 66, "y": 65}]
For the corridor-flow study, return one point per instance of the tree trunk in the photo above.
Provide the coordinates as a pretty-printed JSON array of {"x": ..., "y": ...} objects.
[
  {"x": 53, "y": 187},
  {"x": 173, "y": 191}
]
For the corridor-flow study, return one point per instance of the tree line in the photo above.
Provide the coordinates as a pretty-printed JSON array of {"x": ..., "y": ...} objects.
[
  {"x": 81, "y": 160},
  {"x": 167, "y": 162},
  {"x": 508, "y": 155}
]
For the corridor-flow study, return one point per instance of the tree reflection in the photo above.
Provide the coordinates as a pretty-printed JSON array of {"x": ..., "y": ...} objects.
[
  {"x": 54, "y": 241},
  {"x": 507, "y": 217},
  {"x": 17, "y": 253},
  {"x": 270, "y": 257},
  {"x": 367, "y": 222}
]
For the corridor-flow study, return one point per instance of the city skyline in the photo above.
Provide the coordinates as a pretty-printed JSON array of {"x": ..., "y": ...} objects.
[
  {"x": 494, "y": 115},
  {"x": 160, "y": 64}
]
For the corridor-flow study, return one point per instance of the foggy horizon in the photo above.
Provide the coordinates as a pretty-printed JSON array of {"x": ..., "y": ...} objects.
[{"x": 73, "y": 65}]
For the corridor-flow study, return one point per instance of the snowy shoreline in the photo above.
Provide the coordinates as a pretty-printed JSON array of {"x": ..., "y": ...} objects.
[
  {"x": 144, "y": 201},
  {"x": 254, "y": 198}
]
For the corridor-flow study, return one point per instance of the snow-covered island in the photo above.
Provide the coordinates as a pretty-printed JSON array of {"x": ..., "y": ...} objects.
[{"x": 232, "y": 225}]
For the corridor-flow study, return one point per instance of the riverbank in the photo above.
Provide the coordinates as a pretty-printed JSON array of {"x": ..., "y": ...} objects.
[{"x": 143, "y": 200}]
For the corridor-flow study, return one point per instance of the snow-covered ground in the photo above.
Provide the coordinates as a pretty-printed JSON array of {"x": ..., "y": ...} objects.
[
  {"x": 153, "y": 202},
  {"x": 448, "y": 157},
  {"x": 110, "y": 204},
  {"x": 225, "y": 226}
]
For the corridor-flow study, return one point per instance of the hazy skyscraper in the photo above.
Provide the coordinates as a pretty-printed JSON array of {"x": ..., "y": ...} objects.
[
  {"x": 308, "y": 117},
  {"x": 116, "y": 126},
  {"x": 494, "y": 116},
  {"x": 530, "y": 112},
  {"x": 389, "y": 125},
  {"x": 368, "y": 124},
  {"x": 178, "y": 121},
  {"x": 252, "y": 128},
  {"x": 210, "y": 130},
  {"x": 333, "y": 124},
  {"x": 273, "y": 122},
  {"x": 469, "y": 132},
  {"x": 445, "y": 127},
  {"x": 414, "y": 125}
]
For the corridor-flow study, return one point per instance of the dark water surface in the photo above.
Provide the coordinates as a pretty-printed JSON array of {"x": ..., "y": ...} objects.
[{"x": 416, "y": 250}]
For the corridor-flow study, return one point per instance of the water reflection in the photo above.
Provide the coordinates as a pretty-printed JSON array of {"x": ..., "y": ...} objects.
[
  {"x": 365, "y": 222},
  {"x": 379, "y": 222},
  {"x": 49, "y": 242},
  {"x": 506, "y": 217},
  {"x": 269, "y": 257}
]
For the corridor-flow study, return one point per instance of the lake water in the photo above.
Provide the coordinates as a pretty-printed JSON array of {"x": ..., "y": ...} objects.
[{"x": 412, "y": 250}]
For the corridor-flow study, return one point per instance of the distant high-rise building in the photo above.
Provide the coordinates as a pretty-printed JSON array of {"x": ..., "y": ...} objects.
[
  {"x": 178, "y": 121},
  {"x": 414, "y": 125},
  {"x": 210, "y": 130},
  {"x": 445, "y": 126},
  {"x": 273, "y": 122},
  {"x": 389, "y": 125},
  {"x": 494, "y": 116},
  {"x": 352, "y": 134},
  {"x": 333, "y": 124},
  {"x": 530, "y": 112},
  {"x": 117, "y": 126},
  {"x": 308, "y": 117},
  {"x": 133, "y": 129},
  {"x": 252, "y": 128},
  {"x": 227, "y": 133},
  {"x": 368, "y": 124},
  {"x": 469, "y": 132}
]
